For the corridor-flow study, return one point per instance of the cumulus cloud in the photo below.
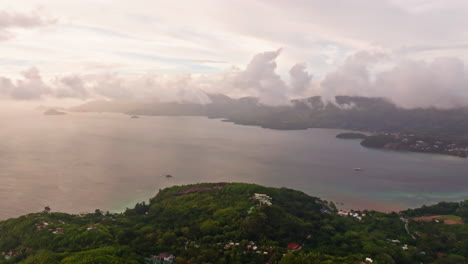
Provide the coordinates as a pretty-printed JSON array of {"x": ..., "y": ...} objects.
[
  {"x": 260, "y": 79},
  {"x": 300, "y": 79},
  {"x": 442, "y": 82},
  {"x": 71, "y": 86},
  {"x": 10, "y": 20},
  {"x": 110, "y": 86},
  {"x": 31, "y": 86},
  {"x": 181, "y": 88},
  {"x": 352, "y": 78}
]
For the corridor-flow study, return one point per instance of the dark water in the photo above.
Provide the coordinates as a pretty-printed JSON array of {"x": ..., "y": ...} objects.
[{"x": 80, "y": 162}]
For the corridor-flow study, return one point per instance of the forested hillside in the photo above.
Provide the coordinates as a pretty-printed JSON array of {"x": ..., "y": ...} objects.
[{"x": 238, "y": 223}]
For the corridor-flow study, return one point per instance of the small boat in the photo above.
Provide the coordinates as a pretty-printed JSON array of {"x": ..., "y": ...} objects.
[
  {"x": 168, "y": 176},
  {"x": 358, "y": 169},
  {"x": 134, "y": 116}
]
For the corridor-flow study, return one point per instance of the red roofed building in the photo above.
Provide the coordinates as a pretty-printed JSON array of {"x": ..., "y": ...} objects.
[{"x": 294, "y": 246}]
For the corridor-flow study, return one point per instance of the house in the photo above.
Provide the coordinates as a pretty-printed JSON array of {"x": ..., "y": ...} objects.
[
  {"x": 263, "y": 198},
  {"x": 162, "y": 258},
  {"x": 342, "y": 213},
  {"x": 8, "y": 255},
  {"x": 356, "y": 215},
  {"x": 294, "y": 246},
  {"x": 58, "y": 231}
]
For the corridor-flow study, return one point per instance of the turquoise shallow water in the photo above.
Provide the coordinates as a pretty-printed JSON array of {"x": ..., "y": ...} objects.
[{"x": 80, "y": 162}]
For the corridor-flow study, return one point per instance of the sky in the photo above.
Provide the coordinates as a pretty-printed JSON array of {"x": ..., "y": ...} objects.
[{"x": 411, "y": 51}]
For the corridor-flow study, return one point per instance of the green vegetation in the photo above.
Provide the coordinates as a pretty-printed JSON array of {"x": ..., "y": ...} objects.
[
  {"x": 227, "y": 223},
  {"x": 451, "y": 217},
  {"x": 351, "y": 136}
]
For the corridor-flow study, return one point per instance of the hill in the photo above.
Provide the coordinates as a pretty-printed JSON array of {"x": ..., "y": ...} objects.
[
  {"x": 348, "y": 112},
  {"x": 235, "y": 223}
]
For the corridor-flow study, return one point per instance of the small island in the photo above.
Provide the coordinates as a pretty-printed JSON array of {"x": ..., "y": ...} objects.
[
  {"x": 54, "y": 112},
  {"x": 351, "y": 136}
]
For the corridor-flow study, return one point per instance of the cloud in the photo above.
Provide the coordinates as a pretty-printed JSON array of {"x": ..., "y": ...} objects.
[
  {"x": 441, "y": 82},
  {"x": 260, "y": 79},
  {"x": 32, "y": 87},
  {"x": 179, "y": 88},
  {"x": 109, "y": 86},
  {"x": 28, "y": 88},
  {"x": 71, "y": 86},
  {"x": 438, "y": 23},
  {"x": 352, "y": 78},
  {"x": 10, "y": 20},
  {"x": 425, "y": 48},
  {"x": 300, "y": 79},
  {"x": 6, "y": 86},
  {"x": 216, "y": 31}
]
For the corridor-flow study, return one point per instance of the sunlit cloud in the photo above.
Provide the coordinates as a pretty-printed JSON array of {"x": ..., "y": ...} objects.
[{"x": 209, "y": 45}]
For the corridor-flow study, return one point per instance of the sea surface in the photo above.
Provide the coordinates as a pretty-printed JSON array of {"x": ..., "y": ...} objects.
[{"x": 80, "y": 162}]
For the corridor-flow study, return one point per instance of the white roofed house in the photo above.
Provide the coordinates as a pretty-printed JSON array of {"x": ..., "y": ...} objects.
[
  {"x": 263, "y": 198},
  {"x": 162, "y": 258}
]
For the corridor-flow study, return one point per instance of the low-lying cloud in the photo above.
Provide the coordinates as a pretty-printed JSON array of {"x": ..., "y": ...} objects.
[
  {"x": 31, "y": 86},
  {"x": 258, "y": 79},
  {"x": 442, "y": 82}
]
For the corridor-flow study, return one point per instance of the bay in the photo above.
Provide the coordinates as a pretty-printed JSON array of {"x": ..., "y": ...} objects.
[{"x": 80, "y": 161}]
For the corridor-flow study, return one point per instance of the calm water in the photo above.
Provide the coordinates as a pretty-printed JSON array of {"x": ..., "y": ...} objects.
[{"x": 80, "y": 162}]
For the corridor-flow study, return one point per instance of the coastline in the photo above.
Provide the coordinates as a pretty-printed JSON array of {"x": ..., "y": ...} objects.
[{"x": 389, "y": 144}]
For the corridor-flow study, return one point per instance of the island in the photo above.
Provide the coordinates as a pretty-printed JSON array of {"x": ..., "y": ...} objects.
[
  {"x": 54, "y": 112},
  {"x": 377, "y": 116},
  {"x": 238, "y": 223},
  {"x": 350, "y": 135}
]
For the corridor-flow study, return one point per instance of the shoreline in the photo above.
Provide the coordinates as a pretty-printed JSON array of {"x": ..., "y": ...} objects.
[{"x": 288, "y": 127}]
